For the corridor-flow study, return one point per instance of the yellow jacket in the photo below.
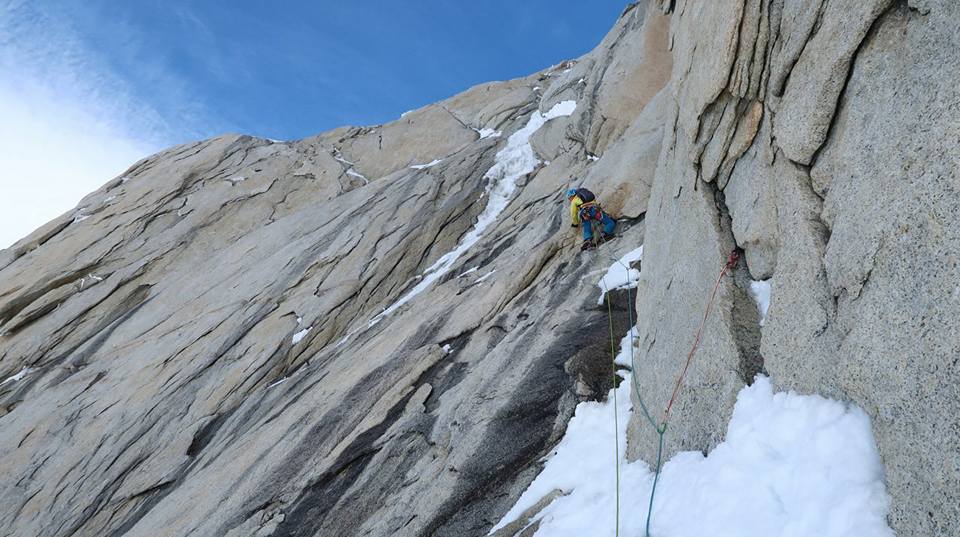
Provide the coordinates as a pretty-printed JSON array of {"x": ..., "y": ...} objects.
[{"x": 575, "y": 205}]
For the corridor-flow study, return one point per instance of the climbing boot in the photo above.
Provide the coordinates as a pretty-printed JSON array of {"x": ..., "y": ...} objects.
[
  {"x": 607, "y": 237},
  {"x": 587, "y": 245}
]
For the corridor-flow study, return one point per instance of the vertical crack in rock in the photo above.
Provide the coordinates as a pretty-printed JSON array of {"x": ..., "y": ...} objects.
[{"x": 745, "y": 321}]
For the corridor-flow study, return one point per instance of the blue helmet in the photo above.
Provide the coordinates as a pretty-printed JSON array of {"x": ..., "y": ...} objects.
[{"x": 571, "y": 193}]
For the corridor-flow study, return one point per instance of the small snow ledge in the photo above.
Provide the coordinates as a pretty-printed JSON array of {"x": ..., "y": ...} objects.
[
  {"x": 428, "y": 165},
  {"x": 483, "y": 278},
  {"x": 620, "y": 275},
  {"x": 18, "y": 377},
  {"x": 563, "y": 108},
  {"x": 300, "y": 335},
  {"x": 488, "y": 133},
  {"x": 760, "y": 291}
]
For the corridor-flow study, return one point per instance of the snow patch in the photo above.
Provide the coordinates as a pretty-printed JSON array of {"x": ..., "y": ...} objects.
[
  {"x": 620, "y": 275},
  {"x": 488, "y": 133},
  {"x": 760, "y": 291},
  {"x": 624, "y": 357},
  {"x": 447, "y": 348},
  {"x": 485, "y": 276},
  {"x": 791, "y": 465},
  {"x": 19, "y": 376},
  {"x": 338, "y": 156},
  {"x": 428, "y": 165},
  {"x": 237, "y": 179},
  {"x": 92, "y": 276},
  {"x": 300, "y": 335},
  {"x": 563, "y": 108},
  {"x": 515, "y": 160},
  {"x": 468, "y": 271},
  {"x": 352, "y": 173}
]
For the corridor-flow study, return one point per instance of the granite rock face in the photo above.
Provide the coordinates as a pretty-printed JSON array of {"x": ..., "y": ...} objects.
[
  {"x": 223, "y": 340},
  {"x": 346, "y": 335},
  {"x": 818, "y": 138}
]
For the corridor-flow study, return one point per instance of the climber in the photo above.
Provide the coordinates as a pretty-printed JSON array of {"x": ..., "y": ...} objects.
[{"x": 584, "y": 210}]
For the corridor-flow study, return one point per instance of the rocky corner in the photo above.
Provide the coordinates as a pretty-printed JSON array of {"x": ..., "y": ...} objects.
[{"x": 384, "y": 330}]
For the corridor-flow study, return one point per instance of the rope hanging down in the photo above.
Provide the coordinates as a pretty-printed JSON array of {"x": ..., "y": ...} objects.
[
  {"x": 661, "y": 427},
  {"x": 731, "y": 262}
]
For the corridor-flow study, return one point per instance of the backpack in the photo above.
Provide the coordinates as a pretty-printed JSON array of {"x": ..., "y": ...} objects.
[{"x": 585, "y": 195}]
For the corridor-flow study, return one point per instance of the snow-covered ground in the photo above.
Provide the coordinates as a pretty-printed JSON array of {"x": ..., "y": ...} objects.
[{"x": 790, "y": 466}]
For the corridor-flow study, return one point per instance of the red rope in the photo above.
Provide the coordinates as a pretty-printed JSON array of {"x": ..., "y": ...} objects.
[{"x": 731, "y": 262}]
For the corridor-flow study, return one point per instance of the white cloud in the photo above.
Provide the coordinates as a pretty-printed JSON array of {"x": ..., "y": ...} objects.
[
  {"x": 52, "y": 153},
  {"x": 68, "y": 122}
]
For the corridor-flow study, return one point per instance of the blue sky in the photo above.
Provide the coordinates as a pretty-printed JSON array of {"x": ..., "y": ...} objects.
[{"x": 101, "y": 83}]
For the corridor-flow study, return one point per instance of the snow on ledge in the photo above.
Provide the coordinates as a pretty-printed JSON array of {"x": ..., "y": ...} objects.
[
  {"x": 619, "y": 275},
  {"x": 488, "y": 133},
  {"x": 760, "y": 291},
  {"x": 300, "y": 335},
  {"x": 428, "y": 165},
  {"x": 19, "y": 376},
  {"x": 483, "y": 278}
]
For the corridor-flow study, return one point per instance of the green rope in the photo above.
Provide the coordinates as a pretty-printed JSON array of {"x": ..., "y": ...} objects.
[
  {"x": 656, "y": 477},
  {"x": 616, "y": 422},
  {"x": 661, "y": 429}
]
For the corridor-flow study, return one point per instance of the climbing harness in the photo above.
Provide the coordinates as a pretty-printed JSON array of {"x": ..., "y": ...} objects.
[{"x": 661, "y": 427}]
